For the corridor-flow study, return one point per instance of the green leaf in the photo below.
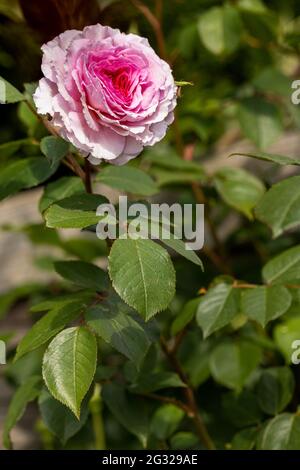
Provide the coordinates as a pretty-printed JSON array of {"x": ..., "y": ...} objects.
[
  {"x": 8, "y": 93},
  {"x": 241, "y": 409},
  {"x": 185, "y": 316},
  {"x": 154, "y": 381},
  {"x": 260, "y": 121},
  {"x": 82, "y": 274},
  {"x": 168, "y": 168},
  {"x": 164, "y": 156},
  {"x": 78, "y": 211},
  {"x": 281, "y": 433},
  {"x": 59, "y": 419},
  {"x": 183, "y": 83},
  {"x": 232, "y": 363},
  {"x": 182, "y": 249},
  {"x": 48, "y": 326},
  {"x": 60, "y": 189},
  {"x": 8, "y": 299},
  {"x": 142, "y": 274},
  {"x": 279, "y": 207},
  {"x": 165, "y": 421},
  {"x": 270, "y": 157},
  {"x": 284, "y": 268},
  {"x": 217, "y": 308},
  {"x": 220, "y": 29},
  {"x": 10, "y": 148},
  {"x": 69, "y": 366},
  {"x": 284, "y": 336},
  {"x": 264, "y": 304},
  {"x": 111, "y": 320},
  {"x": 239, "y": 189},
  {"x": 83, "y": 297},
  {"x": 184, "y": 440},
  {"x": 54, "y": 149},
  {"x": 130, "y": 412},
  {"x": 22, "y": 174},
  {"x": 271, "y": 80},
  {"x": 27, "y": 392},
  {"x": 275, "y": 389},
  {"x": 128, "y": 179}
]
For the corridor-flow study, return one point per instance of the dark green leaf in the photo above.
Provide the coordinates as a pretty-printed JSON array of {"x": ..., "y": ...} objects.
[
  {"x": 54, "y": 149},
  {"x": 69, "y": 366},
  {"x": 275, "y": 389},
  {"x": 27, "y": 392}
]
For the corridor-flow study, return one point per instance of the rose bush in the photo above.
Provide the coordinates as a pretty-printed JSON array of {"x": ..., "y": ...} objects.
[{"x": 107, "y": 92}]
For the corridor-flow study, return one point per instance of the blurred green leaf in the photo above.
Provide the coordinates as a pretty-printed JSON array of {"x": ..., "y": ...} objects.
[
  {"x": 260, "y": 121},
  {"x": 69, "y": 366}
]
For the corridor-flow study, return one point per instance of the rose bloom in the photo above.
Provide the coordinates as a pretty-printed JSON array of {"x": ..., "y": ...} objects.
[{"x": 108, "y": 93}]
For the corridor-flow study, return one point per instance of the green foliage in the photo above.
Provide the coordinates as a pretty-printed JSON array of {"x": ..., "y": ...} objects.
[
  {"x": 54, "y": 149},
  {"x": 144, "y": 343},
  {"x": 128, "y": 179}
]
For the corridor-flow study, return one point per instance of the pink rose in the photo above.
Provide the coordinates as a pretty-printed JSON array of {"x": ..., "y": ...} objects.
[{"x": 108, "y": 93}]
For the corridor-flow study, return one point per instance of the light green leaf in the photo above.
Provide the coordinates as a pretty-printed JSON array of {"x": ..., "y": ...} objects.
[
  {"x": 60, "y": 189},
  {"x": 27, "y": 392},
  {"x": 275, "y": 389},
  {"x": 220, "y": 29},
  {"x": 260, "y": 121},
  {"x": 128, "y": 179},
  {"x": 279, "y": 207},
  {"x": 9, "y": 298},
  {"x": 8, "y": 93},
  {"x": 59, "y": 419},
  {"x": 48, "y": 326},
  {"x": 78, "y": 211},
  {"x": 217, "y": 308},
  {"x": 284, "y": 268},
  {"x": 281, "y": 433},
  {"x": 165, "y": 421},
  {"x": 82, "y": 274},
  {"x": 239, "y": 189},
  {"x": 271, "y": 80},
  {"x": 22, "y": 174},
  {"x": 232, "y": 363},
  {"x": 264, "y": 304},
  {"x": 69, "y": 366},
  {"x": 130, "y": 412},
  {"x": 111, "y": 320},
  {"x": 54, "y": 149},
  {"x": 142, "y": 274}
]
